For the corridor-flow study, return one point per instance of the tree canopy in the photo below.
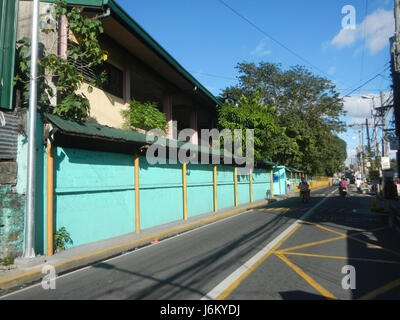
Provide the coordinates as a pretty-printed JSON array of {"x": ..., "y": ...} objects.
[{"x": 295, "y": 115}]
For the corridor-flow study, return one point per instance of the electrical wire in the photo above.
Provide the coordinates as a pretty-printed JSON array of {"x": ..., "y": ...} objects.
[
  {"x": 364, "y": 84},
  {"x": 277, "y": 41},
  {"x": 365, "y": 41}
]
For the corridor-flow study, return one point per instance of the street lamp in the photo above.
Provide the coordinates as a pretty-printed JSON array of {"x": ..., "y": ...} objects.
[{"x": 373, "y": 113}]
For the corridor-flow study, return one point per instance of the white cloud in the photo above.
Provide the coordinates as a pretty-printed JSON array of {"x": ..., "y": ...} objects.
[
  {"x": 376, "y": 29},
  {"x": 261, "y": 49},
  {"x": 345, "y": 37},
  {"x": 357, "y": 108}
]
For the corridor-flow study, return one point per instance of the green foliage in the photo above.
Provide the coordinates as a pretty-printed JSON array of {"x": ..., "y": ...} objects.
[
  {"x": 63, "y": 73},
  {"x": 62, "y": 238},
  {"x": 306, "y": 107},
  {"x": 251, "y": 113},
  {"x": 7, "y": 261},
  {"x": 144, "y": 115}
]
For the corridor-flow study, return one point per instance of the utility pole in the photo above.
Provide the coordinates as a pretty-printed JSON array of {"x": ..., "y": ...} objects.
[
  {"x": 368, "y": 141},
  {"x": 29, "y": 250},
  {"x": 395, "y": 68},
  {"x": 375, "y": 131},
  {"x": 385, "y": 148},
  {"x": 362, "y": 152}
]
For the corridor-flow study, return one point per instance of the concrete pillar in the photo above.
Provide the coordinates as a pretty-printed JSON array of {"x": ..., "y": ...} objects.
[
  {"x": 193, "y": 125},
  {"x": 63, "y": 44},
  {"x": 167, "y": 109},
  {"x": 126, "y": 85}
]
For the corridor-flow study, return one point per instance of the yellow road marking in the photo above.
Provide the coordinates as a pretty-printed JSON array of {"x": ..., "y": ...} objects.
[
  {"x": 375, "y": 245},
  {"x": 306, "y": 277},
  {"x": 381, "y": 290},
  {"x": 335, "y": 257},
  {"x": 311, "y": 244},
  {"x": 236, "y": 283},
  {"x": 338, "y": 238},
  {"x": 356, "y": 239}
]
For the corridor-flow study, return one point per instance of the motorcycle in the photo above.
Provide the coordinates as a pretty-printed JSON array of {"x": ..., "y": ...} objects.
[
  {"x": 343, "y": 191},
  {"x": 305, "y": 195}
]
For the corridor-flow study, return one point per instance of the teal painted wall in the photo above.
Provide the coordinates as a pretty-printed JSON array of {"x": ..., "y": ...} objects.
[
  {"x": 161, "y": 193},
  {"x": 200, "y": 188},
  {"x": 243, "y": 178},
  {"x": 280, "y": 186},
  {"x": 225, "y": 186},
  {"x": 94, "y": 194},
  {"x": 261, "y": 184}
]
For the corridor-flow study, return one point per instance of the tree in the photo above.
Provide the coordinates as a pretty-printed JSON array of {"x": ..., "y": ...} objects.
[
  {"x": 306, "y": 106},
  {"x": 250, "y": 112}
]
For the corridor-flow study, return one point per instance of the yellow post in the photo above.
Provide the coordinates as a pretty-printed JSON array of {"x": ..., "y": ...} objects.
[
  {"x": 291, "y": 179},
  {"x": 215, "y": 189},
  {"x": 184, "y": 180},
  {"x": 50, "y": 199},
  {"x": 137, "y": 208},
  {"x": 272, "y": 182},
  {"x": 251, "y": 185},
  {"x": 236, "y": 189}
]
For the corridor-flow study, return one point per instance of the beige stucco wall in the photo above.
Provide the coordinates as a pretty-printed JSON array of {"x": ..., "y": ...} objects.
[{"x": 105, "y": 108}]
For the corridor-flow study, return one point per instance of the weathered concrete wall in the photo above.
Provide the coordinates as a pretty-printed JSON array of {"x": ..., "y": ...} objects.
[
  {"x": 8, "y": 173},
  {"x": 12, "y": 207}
]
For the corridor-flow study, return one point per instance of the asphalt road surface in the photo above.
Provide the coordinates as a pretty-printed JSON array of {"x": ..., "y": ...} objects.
[{"x": 329, "y": 248}]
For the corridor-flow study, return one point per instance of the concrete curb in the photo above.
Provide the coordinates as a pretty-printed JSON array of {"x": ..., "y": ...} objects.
[{"x": 19, "y": 277}]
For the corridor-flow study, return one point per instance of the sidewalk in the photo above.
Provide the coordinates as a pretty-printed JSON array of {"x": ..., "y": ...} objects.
[{"x": 81, "y": 256}]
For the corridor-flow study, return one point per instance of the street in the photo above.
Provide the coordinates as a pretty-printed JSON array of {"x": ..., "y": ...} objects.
[{"x": 265, "y": 253}]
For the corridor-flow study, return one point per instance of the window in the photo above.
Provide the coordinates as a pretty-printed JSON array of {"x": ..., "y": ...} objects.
[{"x": 114, "y": 82}]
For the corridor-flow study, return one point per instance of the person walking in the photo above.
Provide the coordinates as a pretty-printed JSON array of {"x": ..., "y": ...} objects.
[{"x": 288, "y": 185}]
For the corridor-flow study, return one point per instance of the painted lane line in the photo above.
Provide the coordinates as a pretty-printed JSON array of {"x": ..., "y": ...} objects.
[
  {"x": 224, "y": 288},
  {"x": 390, "y": 286},
  {"x": 306, "y": 277}
]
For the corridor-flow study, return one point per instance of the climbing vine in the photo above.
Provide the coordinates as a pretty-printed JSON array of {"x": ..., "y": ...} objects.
[{"x": 60, "y": 78}]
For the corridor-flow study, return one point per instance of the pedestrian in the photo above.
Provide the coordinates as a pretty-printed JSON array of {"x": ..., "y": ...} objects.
[
  {"x": 358, "y": 184},
  {"x": 288, "y": 185}
]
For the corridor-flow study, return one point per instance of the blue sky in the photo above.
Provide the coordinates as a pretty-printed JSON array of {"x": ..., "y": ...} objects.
[{"x": 208, "y": 40}]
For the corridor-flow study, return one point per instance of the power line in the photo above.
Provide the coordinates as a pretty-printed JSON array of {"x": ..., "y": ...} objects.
[
  {"x": 213, "y": 75},
  {"x": 385, "y": 66},
  {"x": 365, "y": 83},
  {"x": 276, "y": 41},
  {"x": 365, "y": 41}
]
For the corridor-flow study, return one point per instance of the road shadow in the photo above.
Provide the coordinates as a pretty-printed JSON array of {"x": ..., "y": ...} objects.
[{"x": 373, "y": 249}]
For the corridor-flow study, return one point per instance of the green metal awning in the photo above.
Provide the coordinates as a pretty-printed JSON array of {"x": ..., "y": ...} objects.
[
  {"x": 294, "y": 170},
  {"x": 94, "y": 130}
]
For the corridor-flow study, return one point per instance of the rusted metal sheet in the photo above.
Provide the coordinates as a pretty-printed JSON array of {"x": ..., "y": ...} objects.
[{"x": 8, "y": 136}]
